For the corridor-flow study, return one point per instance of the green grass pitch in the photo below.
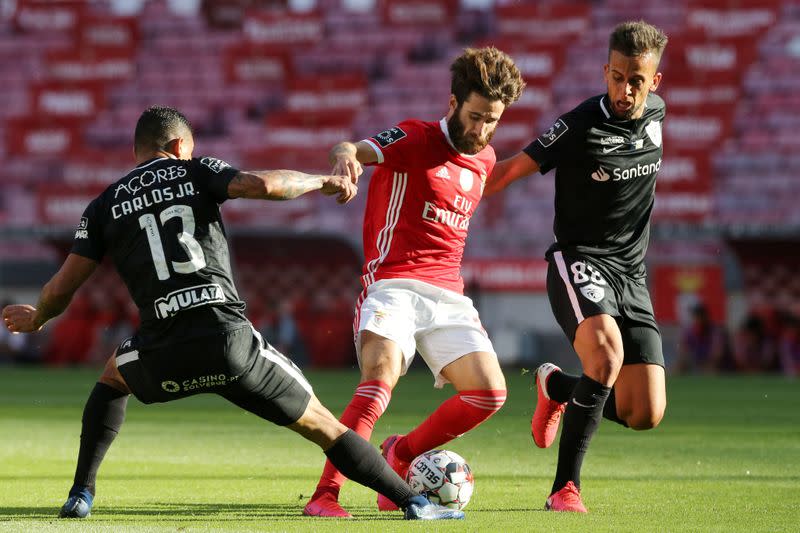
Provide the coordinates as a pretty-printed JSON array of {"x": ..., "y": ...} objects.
[{"x": 726, "y": 458}]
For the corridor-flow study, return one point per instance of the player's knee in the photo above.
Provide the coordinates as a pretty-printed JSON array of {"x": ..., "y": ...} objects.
[
  {"x": 116, "y": 383},
  {"x": 605, "y": 368},
  {"x": 380, "y": 370},
  {"x": 496, "y": 380},
  {"x": 492, "y": 383},
  {"x": 601, "y": 357}
]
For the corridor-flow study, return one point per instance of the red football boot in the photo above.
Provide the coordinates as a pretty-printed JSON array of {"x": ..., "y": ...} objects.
[
  {"x": 325, "y": 505},
  {"x": 567, "y": 499},
  {"x": 546, "y": 417}
]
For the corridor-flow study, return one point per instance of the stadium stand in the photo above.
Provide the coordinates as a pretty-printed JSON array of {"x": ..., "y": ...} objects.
[{"x": 274, "y": 84}]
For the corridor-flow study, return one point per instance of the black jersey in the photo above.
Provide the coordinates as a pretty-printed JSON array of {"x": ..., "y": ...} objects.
[
  {"x": 161, "y": 226},
  {"x": 605, "y": 180}
]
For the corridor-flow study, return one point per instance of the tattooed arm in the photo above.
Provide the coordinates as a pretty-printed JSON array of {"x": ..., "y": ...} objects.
[{"x": 288, "y": 184}]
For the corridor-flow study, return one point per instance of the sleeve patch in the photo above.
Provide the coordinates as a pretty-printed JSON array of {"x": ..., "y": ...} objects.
[
  {"x": 385, "y": 138},
  {"x": 550, "y": 136},
  {"x": 83, "y": 229},
  {"x": 217, "y": 165}
]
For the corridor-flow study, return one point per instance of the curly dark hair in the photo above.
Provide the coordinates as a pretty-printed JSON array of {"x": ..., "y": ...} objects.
[{"x": 488, "y": 72}]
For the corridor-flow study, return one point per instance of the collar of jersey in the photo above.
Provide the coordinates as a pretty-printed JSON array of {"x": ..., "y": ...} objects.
[
  {"x": 148, "y": 163},
  {"x": 443, "y": 125}
]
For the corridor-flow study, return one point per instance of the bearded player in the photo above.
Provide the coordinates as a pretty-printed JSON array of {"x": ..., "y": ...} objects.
[{"x": 428, "y": 180}]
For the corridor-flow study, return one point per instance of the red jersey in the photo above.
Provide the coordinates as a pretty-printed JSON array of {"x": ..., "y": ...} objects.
[{"x": 420, "y": 201}]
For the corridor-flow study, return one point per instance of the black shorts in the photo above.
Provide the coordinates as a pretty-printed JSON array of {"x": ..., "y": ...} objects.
[
  {"x": 237, "y": 365},
  {"x": 580, "y": 287}
]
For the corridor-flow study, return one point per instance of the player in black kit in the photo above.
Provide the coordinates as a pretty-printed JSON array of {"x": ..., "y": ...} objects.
[
  {"x": 606, "y": 153},
  {"x": 161, "y": 226}
]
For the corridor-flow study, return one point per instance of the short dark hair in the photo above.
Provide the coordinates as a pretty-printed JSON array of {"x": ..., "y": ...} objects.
[
  {"x": 157, "y": 126},
  {"x": 635, "y": 38},
  {"x": 488, "y": 72}
]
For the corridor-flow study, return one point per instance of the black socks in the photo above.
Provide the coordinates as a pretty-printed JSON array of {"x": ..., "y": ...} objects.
[
  {"x": 581, "y": 420},
  {"x": 560, "y": 386},
  {"x": 360, "y": 461},
  {"x": 102, "y": 418}
]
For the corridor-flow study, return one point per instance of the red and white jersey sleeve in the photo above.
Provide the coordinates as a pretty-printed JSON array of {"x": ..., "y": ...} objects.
[{"x": 421, "y": 198}]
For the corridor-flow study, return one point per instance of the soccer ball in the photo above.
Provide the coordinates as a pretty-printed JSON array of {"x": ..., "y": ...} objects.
[{"x": 443, "y": 476}]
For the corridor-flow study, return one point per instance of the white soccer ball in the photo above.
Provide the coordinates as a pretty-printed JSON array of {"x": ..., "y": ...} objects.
[{"x": 443, "y": 476}]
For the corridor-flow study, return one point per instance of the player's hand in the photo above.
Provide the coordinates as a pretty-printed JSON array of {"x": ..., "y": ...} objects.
[
  {"x": 348, "y": 165},
  {"x": 342, "y": 186},
  {"x": 20, "y": 318}
]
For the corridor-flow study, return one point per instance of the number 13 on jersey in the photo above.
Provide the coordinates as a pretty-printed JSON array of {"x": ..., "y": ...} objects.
[{"x": 186, "y": 239}]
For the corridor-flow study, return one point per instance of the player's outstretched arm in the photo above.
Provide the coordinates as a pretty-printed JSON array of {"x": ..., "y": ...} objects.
[
  {"x": 55, "y": 297},
  {"x": 347, "y": 158},
  {"x": 509, "y": 170},
  {"x": 288, "y": 184}
]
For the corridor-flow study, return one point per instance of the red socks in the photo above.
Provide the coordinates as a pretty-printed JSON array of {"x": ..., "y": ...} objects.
[
  {"x": 368, "y": 404},
  {"x": 453, "y": 418}
]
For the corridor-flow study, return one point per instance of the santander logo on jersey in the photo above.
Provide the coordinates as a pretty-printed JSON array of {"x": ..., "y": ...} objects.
[{"x": 624, "y": 174}]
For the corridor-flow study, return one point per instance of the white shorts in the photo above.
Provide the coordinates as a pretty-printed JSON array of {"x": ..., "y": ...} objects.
[{"x": 441, "y": 325}]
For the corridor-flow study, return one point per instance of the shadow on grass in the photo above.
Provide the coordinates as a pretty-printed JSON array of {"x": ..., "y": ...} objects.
[
  {"x": 187, "y": 512},
  {"x": 272, "y": 477}
]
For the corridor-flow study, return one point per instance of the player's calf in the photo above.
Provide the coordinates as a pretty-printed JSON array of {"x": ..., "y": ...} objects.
[{"x": 454, "y": 417}]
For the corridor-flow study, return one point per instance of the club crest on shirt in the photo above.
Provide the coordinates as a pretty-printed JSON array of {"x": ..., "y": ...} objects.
[
  {"x": 387, "y": 137},
  {"x": 593, "y": 292},
  {"x": 379, "y": 317},
  {"x": 654, "y": 132},
  {"x": 465, "y": 179}
]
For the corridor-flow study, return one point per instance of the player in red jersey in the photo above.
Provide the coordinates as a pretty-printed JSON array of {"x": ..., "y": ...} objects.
[{"x": 427, "y": 184}]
